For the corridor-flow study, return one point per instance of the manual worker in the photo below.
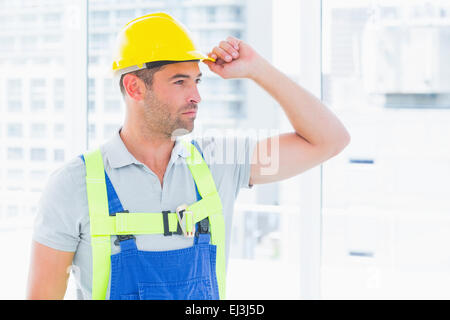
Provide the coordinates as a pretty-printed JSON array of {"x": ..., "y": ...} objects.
[{"x": 147, "y": 215}]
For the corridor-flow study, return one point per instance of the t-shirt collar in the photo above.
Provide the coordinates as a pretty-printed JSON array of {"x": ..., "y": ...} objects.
[{"x": 119, "y": 156}]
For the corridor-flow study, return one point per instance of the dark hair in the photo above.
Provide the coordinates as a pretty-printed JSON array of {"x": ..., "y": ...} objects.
[{"x": 145, "y": 74}]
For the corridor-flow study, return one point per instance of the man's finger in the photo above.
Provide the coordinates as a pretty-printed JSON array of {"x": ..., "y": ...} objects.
[
  {"x": 228, "y": 47},
  {"x": 234, "y": 41},
  {"x": 212, "y": 55},
  {"x": 222, "y": 54}
]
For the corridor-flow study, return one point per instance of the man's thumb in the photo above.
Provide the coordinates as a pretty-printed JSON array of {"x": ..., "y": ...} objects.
[{"x": 212, "y": 65}]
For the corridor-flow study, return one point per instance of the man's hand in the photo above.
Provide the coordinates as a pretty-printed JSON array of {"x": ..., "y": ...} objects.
[{"x": 234, "y": 59}]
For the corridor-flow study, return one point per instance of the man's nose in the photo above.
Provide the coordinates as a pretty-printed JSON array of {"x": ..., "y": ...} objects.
[{"x": 194, "y": 97}]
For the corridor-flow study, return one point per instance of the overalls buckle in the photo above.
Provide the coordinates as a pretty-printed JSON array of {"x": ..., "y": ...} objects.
[
  {"x": 203, "y": 227},
  {"x": 121, "y": 237},
  {"x": 185, "y": 220}
]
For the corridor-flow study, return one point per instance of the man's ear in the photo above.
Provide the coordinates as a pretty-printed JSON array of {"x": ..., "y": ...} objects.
[{"x": 134, "y": 86}]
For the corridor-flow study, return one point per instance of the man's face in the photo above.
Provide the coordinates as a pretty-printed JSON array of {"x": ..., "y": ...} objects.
[{"x": 171, "y": 104}]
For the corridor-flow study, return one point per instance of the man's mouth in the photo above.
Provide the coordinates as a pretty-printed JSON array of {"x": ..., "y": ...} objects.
[{"x": 190, "y": 112}]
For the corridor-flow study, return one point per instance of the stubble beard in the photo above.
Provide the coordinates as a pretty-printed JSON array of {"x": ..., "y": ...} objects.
[{"x": 159, "y": 121}]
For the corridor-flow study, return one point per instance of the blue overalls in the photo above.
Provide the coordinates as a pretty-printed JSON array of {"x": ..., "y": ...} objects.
[{"x": 183, "y": 274}]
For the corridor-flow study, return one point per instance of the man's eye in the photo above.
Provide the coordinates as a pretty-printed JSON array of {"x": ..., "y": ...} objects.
[{"x": 182, "y": 81}]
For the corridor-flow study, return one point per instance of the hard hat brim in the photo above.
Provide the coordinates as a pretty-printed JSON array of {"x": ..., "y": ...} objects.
[{"x": 200, "y": 55}]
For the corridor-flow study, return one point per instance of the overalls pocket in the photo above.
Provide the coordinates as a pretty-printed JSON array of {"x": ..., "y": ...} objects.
[
  {"x": 196, "y": 289},
  {"x": 129, "y": 297}
]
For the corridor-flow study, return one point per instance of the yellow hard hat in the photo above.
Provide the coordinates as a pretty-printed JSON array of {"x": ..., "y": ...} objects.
[{"x": 154, "y": 38}]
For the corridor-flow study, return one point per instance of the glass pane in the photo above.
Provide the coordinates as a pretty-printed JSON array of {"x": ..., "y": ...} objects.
[
  {"x": 37, "y": 55},
  {"x": 225, "y": 105},
  {"x": 265, "y": 244},
  {"x": 386, "y": 217}
]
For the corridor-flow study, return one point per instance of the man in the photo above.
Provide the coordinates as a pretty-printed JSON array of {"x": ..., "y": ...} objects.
[{"x": 97, "y": 210}]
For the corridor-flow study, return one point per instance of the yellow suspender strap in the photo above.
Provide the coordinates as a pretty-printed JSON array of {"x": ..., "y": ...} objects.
[
  {"x": 98, "y": 209},
  {"x": 212, "y": 208},
  {"x": 151, "y": 223}
]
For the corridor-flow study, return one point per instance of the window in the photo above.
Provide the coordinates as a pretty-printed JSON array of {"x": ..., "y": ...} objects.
[
  {"x": 93, "y": 60},
  {"x": 91, "y": 106},
  {"x": 58, "y": 131},
  {"x": 59, "y": 155},
  {"x": 37, "y": 105},
  {"x": 14, "y": 105},
  {"x": 211, "y": 14},
  {"x": 15, "y": 174},
  {"x": 91, "y": 94},
  {"x": 230, "y": 13},
  {"x": 38, "y": 154},
  {"x": 52, "y": 19},
  {"x": 91, "y": 86},
  {"x": 28, "y": 43},
  {"x": 15, "y": 130},
  {"x": 37, "y": 94},
  {"x": 99, "y": 41},
  {"x": 37, "y": 175},
  {"x": 12, "y": 211},
  {"x": 92, "y": 132},
  {"x": 7, "y": 44},
  {"x": 100, "y": 18},
  {"x": 14, "y": 87},
  {"x": 123, "y": 16},
  {"x": 14, "y": 153},
  {"x": 37, "y": 87},
  {"x": 51, "y": 40},
  {"x": 58, "y": 91},
  {"x": 38, "y": 130},
  {"x": 59, "y": 105}
]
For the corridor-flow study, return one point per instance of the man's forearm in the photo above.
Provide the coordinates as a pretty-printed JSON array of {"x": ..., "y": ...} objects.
[{"x": 310, "y": 118}]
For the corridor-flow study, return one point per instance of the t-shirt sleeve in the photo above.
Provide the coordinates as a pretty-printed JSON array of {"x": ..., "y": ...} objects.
[
  {"x": 244, "y": 151},
  {"x": 229, "y": 158},
  {"x": 57, "y": 224}
]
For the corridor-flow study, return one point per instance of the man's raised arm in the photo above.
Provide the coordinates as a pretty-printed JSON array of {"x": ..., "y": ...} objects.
[{"x": 318, "y": 134}]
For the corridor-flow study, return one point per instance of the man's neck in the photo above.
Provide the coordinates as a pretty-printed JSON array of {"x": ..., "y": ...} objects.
[{"x": 151, "y": 149}]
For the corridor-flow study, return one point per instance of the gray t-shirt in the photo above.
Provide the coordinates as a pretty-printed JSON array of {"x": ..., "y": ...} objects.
[{"x": 62, "y": 220}]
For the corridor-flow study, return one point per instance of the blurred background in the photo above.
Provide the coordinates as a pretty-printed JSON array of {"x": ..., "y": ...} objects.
[{"x": 371, "y": 223}]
